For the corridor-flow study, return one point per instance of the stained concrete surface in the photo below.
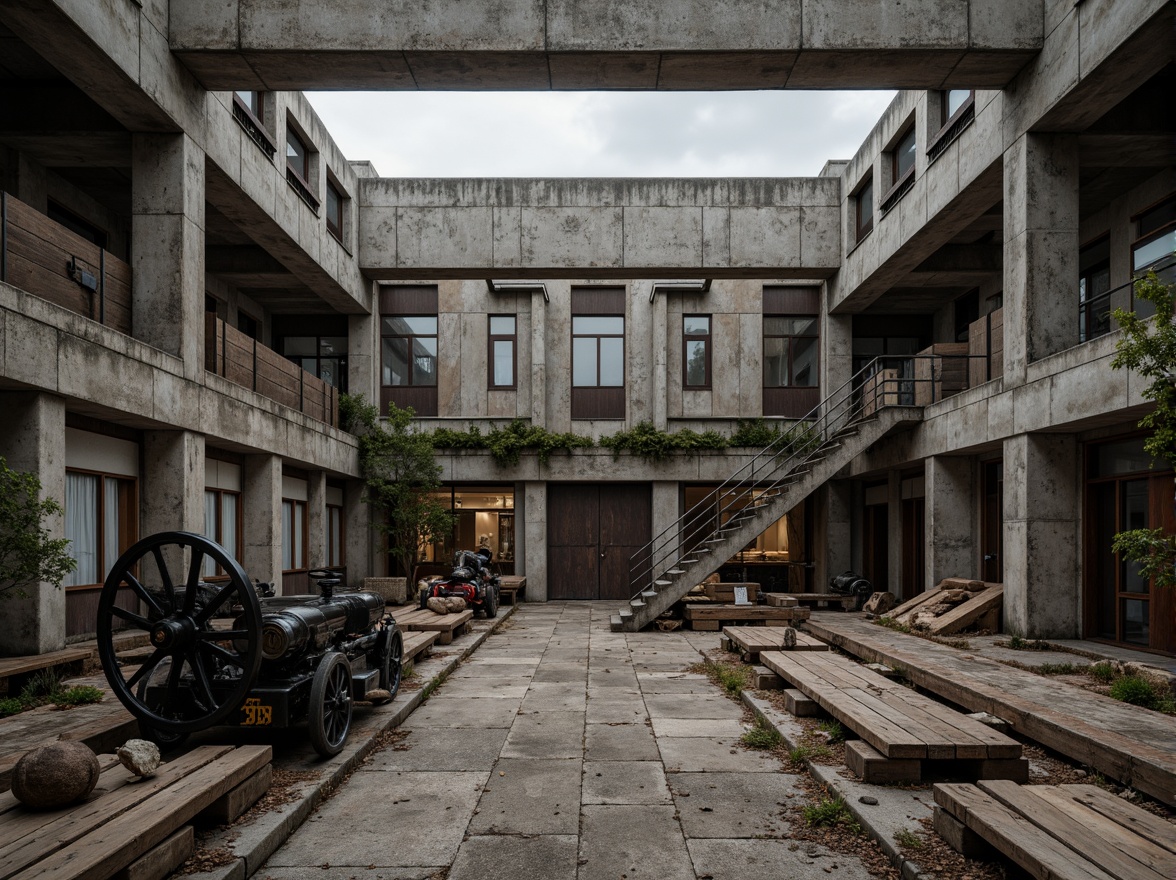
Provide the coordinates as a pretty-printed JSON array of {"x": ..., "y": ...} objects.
[{"x": 535, "y": 762}]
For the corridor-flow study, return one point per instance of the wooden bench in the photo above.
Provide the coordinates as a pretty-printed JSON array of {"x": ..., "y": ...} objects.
[
  {"x": 127, "y": 822},
  {"x": 423, "y": 620},
  {"x": 815, "y": 600},
  {"x": 417, "y": 646},
  {"x": 905, "y": 736},
  {"x": 714, "y": 617},
  {"x": 749, "y": 641},
  {"x": 1061, "y": 831},
  {"x": 511, "y": 587}
]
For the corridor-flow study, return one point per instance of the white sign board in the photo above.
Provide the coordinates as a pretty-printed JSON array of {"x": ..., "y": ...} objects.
[{"x": 741, "y": 596}]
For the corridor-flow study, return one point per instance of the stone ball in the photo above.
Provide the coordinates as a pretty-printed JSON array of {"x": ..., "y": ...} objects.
[
  {"x": 55, "y": 775},
  {"x": 139, "y": 756},
  {"x": 438, "y": 605}
]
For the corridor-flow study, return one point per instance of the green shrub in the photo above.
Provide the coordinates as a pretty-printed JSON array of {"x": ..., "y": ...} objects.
[
  {"x": 908, "y": 839},
  {"x": 79, "y": 695},
  {"x": 801, "y": 754},
  {"x": 1061, "y": 668},
  {"x": 754, "y": 432},
  {"x": 1139, "y": 691},
  {"x": 1103, "y": 672},
  {"x": 761, "y": 736},
  {"x": 507, "y": 444},
  {"x": 651, "y": 443}
]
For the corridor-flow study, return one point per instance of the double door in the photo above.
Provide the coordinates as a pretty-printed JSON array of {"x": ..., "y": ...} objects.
[{"x": 592, "y": 530}]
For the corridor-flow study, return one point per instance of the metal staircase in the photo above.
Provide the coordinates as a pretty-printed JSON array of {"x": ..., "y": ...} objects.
[{"x": 778, "y": 478}]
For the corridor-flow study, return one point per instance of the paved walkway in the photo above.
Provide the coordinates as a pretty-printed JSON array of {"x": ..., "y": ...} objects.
[{"x": 564, "y": 751}]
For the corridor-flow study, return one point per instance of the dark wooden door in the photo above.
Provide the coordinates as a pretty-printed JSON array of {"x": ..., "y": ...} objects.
[
  {"x": 592, "y": 530},
  {"x": 876, "y": 547},
  {"x": 992, "y": 524},
  {"x": 914, "y": 571}
]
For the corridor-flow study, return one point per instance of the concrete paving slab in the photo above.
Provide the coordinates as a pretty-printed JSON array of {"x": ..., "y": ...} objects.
[
  {"x": 625, "y": 782},
  {"x": 616, "y": 709},
  {"x": 429, "y": 812},
  {"x": 550, "y": 857},
  {"x": 559, "y": 735},
  {"x": 354, "y": 872},
  {"x": 538, "y": 704},
  {"x": 560, "y": 673},
  {"x": 703, "y": 753},
  {"x": 525, "y": 796},
  {"x": 692, "y": 706},
  {"x": 634, "y": 842},
  {"x": 441, "y": 748},
  {"x": 491, "y": 688},
  {"x": 613, "y": 678},
  {"x": 443, "y": 710},
  {"x": 676, "y": 727},
  {"x": 619, "y": 742},
  {"x": 731, "y": 805},
  {"x": 770, "y": 860}
]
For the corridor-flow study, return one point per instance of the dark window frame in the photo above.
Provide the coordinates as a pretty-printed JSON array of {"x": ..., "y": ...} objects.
[
  {"x": 816, "y": 334},
  {"x": 864, "y": 228},
  {"x": 318, "y": 357},
  {"x": 129, "y": 530},
  {"x": 1143, "y": 238},
  {"x": 290, "y": 535},
  {"x": 411, "y": 383},
  {"x": 219, "y": 536},
  {"x": 336, "y": 225},
  {"x": 945, "y": 97},
  {"x": 899, "y": 178},
  {"x": 299, "y": 178},
  {"x": 598, "y": 337},
  {"x": 335, "y": 510},
  {"x": 491, "y": 339},
  {"x": 704, "y": 338},
  {"x": 1088, "y": 317}
]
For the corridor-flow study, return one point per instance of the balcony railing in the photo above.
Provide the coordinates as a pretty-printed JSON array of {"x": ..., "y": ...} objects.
[
  {"x": 244, "y": 361},
  {"x": 1094, "y": 314},
  {"x": 42, "y": 257}
]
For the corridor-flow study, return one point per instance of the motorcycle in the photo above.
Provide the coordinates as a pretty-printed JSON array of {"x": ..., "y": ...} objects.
[{"x": 472, "y": 579}]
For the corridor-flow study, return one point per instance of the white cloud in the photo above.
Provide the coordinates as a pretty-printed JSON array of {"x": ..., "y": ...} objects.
[{"x": 599, "y": 134}]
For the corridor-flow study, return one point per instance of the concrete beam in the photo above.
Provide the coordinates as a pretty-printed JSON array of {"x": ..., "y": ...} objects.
[
  {"x": 625, "y": 44},
  {"x": 608, "y": 228}
]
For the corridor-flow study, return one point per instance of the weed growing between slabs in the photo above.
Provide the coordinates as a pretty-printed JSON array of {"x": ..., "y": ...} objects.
[{"x": 45, "y": 688}]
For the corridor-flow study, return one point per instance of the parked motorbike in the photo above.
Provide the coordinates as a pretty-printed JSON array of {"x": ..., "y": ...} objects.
[{"x": 473, "y": 578}]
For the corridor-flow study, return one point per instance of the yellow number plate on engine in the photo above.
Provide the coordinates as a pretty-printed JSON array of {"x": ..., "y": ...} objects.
[{"x": 254, "y": 714}]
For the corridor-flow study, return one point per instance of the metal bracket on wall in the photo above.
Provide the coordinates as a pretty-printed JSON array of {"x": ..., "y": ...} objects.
[
  {"x": 518, "y": 285},
  {"x": 692, "y": 286}
]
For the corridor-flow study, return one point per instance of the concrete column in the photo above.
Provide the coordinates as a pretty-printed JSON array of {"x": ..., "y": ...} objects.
[
  {"x": 538, "y": 363},
  {"x": 363, "y": 356},
  {"x": 357, "y": 526},
  {"x": 173, "y": 482},
  {"x": 167, "y": 246},
  {"x": 316, "y": 518},
  {"x": 950, "y": 549},
  {"x": 836, "y": 352},
  {"x": 665, "y": 505},
  {"x": 659, "y": 340},
  {"x": 1040, "y": 250},
  {"x": 261, "y": 502},
  {"x": 534, "y": 531},
  {"x": 33, "y": 441},
  {"x": 894, "y": 523},
  {"x": 1042, "y": 501},
  {"x": 832, "y": 545}
]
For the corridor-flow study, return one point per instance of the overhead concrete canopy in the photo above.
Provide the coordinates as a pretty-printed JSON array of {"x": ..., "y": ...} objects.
[
  {"x": 600, "y": 228},
  {"x": 605, "y": 44}
]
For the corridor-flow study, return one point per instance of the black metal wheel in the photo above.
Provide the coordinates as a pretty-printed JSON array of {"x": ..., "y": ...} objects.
[
  {"x": 157, "y": 678},
  {"x": 393, "y": 667},
  {"x": 329, "y": 719},
  {"x": 426, "y": 593},
  {"x": 490, "y": 601},
  {"x": 202, "y": 667}
]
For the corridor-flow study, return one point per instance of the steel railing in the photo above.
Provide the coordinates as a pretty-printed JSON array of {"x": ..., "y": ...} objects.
[{"x": 1094, "y": 313}]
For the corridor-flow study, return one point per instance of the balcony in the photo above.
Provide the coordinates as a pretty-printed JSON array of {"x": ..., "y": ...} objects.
[
  {"x": 244, "y": 361},
  {"x": 45, "y": 259}
]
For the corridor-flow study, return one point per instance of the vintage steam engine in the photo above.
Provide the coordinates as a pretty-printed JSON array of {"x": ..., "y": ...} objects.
[{"x": 224, "y": 655}]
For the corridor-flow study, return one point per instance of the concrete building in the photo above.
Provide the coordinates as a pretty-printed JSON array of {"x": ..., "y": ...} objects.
[{"x": 180, "y": 308}]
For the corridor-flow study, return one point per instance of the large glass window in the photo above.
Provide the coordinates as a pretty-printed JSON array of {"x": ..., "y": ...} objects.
[
  {"x": 322, "y": 356},
  {"x": 101, "y": 521},
  {"x": 954, "y": 102},
  {"x": 791, "y": 351},
  {"x": 1094, "y": 282},
  {"x": 336, "y": 558},
  {"x": 696, "y": 351},
  {"x": 297, "y": 155},
  {"x": 251, "y": 101},
  {"x": 222, "y": 523},
  {"x": 598, "y": 351},
  {"x": 1155, "y": 247},
  {"x": 503, "y": 351},
  {"x": 334, "y": 210},
  {"x": 903, "y": 158},
  {"x": 293, "y": 535},
  {"x": 409, "y": 350},
  {"x": 864, "y": 199},
  {"x": 484, "y": 516}
]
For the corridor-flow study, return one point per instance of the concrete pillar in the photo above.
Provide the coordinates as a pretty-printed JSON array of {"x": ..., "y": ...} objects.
[
  {"x": 167, "y": 246},
  {"x": 659, "y": 340},
  {"x": 894, "y": 539},
  {"x": 363, "y": 356},
  {"x": 1042, "y": 536},
  {"x": 832, "y": 548},
  {"x": 665, "y": 505},
  {"x": 538, "y": 362},
  {"x": 950, "y": 549},
  {"x": 534, "y": 532},
  {"x": 1040, "y": 250},
  {"x": 261, "y": 502},
  {"x": 172, "y": 494},
  {"x": 357, "y": 527},
  {"x": 33, "y": 441},
  {"x": 316, "y": 519},
  {"x": 836, "y": 352}
]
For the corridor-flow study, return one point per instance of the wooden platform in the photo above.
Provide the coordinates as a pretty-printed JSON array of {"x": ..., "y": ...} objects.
[
  {"x": 725, "y": 592},
  {"x": 423, "y": 620},
  {"x": 511, "y": 587},
  {"x": 749, "y": 641},
  {"x": 715, "y": 617},
  {"x": 1127, "y": 743},
  {"x": 814, "y": 600},
  {"x": 124, "y": 819},
  {"x": 417, "y": 646},
  {"x": 18, "y": 669},
  {"x": 904, "y": 730},
  {"x": 1063, "y": 831}
]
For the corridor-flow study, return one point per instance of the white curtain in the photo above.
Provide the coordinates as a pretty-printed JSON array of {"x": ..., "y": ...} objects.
[
  {"x": 81, "y": 527},
  {"x": 111, "y": 527},
  {"x": 335, "y": 545},
  {"x": 287, "y": 546},
  {"x": 229, "y": 523},
  {"x": 210, "y": 505},
  {"x": 299, "y": 532}
]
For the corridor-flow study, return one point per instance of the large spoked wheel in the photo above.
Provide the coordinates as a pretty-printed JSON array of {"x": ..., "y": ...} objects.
[
  {"x": 393, "y": 667},
  {"x": 490, "y": 601},
  {"x": 329, "y": 719},
  {"x": 202, "y": 667}
]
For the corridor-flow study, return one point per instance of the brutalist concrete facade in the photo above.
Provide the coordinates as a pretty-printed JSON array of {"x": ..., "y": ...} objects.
[{"x": 1038, "y": 134}]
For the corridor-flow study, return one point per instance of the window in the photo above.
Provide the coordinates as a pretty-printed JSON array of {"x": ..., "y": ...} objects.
[
  {"x": 293, "y": 535},
  {"x": 957, "y": 110},
  {"x": 864, "y": 198},
  {"x": 101, "y": 521},
  {"x": 251, "y": 101},
  {"x": 298, "y": 167},
  {"x": 408, "y": 348},
  {"x": 1094, "y": 282},
  {"x": 336, "y": 558},
  {"x": 953, "y": 103},
  {"x": 1155, "y": 247},
  {"x": 335, "y": 200},
  {"x": 598, "y": 353},
  {"x": 483, "y": 516},
  {"x": 790, "y": 351},
  {"x": 322, "y": 356},
  {"x": 249, "y": 325},
  {"x": 696, "y": 351},
  {"x": 903, "y": 158},
  {"x": 222, "y": 523},
  {"x": 76, "y": 224},
  {"x": 249, "y": 112},
  {"x": 503, "y": 350}
]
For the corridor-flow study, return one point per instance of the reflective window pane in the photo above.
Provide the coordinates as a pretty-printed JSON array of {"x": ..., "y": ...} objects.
[
  {"x": 229, "y": 524},
  {"x": 1133, "y": 516},
  {"x": 955, "y": 100},
  {"x": 299, "y": 536},
  {"x": 584, "y": 324},
  {"x": 502, "y": 325},
  {"x": 400, "y": 325},
  {"x": 503, "y": 363},
  {"x": 612, "y": 362},
  {"x": 804, "y": 362},
  {"x": 865, "y": 198},
  {"x": 329, "y": 345},
  {"x": 695, "y": 325},
  {"x": 584, "y": 362},
  {"x": 395, "y": 362},
  {"x": 1161, "y": 248},
  {"x": 211, "y": 510},
  {"x": 775, "y": 362},
  {"x": 287, "y": 537},
  {"x": 696, "y": 362},
  {"x": 803, "y": 326},
  {"x": 904, "y": 155},
  {"x": 1136, "y": 628},
  {"x": 424, "y": 361}
]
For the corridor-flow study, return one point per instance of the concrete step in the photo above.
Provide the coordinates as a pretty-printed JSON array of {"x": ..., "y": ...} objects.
[
  {"x": 676, "y": 571},
  {"x": 615, "y": 624},
  {"x": 648, "y": 594},
  {"x": 636, "y": 603},
  {"x": 662, "y": 583}
]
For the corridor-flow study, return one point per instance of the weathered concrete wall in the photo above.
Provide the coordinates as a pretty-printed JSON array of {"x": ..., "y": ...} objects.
[
  {"x": 609, "y": 228},
  {"x": 950, "y": 545},
  {"x": 560, "y": 44}
]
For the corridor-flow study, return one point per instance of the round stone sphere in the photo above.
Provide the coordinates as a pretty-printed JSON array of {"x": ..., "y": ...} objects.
[{"x": 55, "y": 775}]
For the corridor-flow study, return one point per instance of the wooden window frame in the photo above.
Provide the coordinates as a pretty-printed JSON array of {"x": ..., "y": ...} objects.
[
  {"x": 706, "y": 338},
  {"x": 513, "y": 339},
  {"x": 944, "y": 96},
  {"x": 290, "y": 536},
  {"x": 337, "y": 510},
  {"x": 219, "y": 537},
  {"x": 335, "y": 225},
  {"x": 130, "y": 528},
  {"x": 409, "y": 301},
  {"x": 257, "y": 115},
  {"x": 900, "y": 180},
  {"x": 411, "y": 383},
  {"x": 598, "y": 337},
  {"x": 815, "y": 335},
  {"x": 863, "y": 228},
  {"x": 299, "y": 178}
]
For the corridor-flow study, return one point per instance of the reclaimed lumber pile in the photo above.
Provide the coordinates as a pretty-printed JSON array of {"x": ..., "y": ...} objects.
[
  {"x": 128, "y": 825},
  {"x": 812, "y": 600},
  {"x": 713, "y": 618},
  {"x": 750, "y": 641},
  {"x": 953, "y": 606},
  {"x": 904, "y": 736},
  {"x": 1059, "y": 831},
  {"x": 780, "y": 600},
  {"x": 511, "y": 587},
  {"x": 447, "y": 626}
]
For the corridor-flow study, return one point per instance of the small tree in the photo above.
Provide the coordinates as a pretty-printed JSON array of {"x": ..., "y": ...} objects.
[
  {"x": 402, "y": 477},
  {"x": 1148, "y": 346},
  {"x": 28, "y": 554}
]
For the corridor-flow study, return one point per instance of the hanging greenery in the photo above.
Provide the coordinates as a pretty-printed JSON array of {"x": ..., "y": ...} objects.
[{"x": 651, "y": 443}]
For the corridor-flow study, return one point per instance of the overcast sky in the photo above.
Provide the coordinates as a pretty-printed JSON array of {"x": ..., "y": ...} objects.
[{"x": 599, "y": 134}]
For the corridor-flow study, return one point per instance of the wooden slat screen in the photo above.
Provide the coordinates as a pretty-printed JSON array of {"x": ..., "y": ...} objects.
[
  {"x": 792, "y": 300},
  {"x": 408, "y": 300},
  {"x": 598, "y": 300}
]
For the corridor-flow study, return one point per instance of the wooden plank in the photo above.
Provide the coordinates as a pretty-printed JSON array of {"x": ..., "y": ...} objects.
[
  {"x": 163, "y": 858},
  {"x": 418, "y": 643},
  {"x": 876, "y": 769},
  {"x": 967, "y": 613},
  {"x": 1089, "y": 841},
  {"x": 976, "y": 740},
  {"x": 911, "y": 604},
  {"x": 21, "y": 665},
  {"x": 230, "y": 805},
  {"x": 751, "y": 640},
  {"x": 744, "y": 612},
  {"x": 1139, "y": 822},
  {"x": 1033, "y": 849},
  {"x": 780, "y": 600}
]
